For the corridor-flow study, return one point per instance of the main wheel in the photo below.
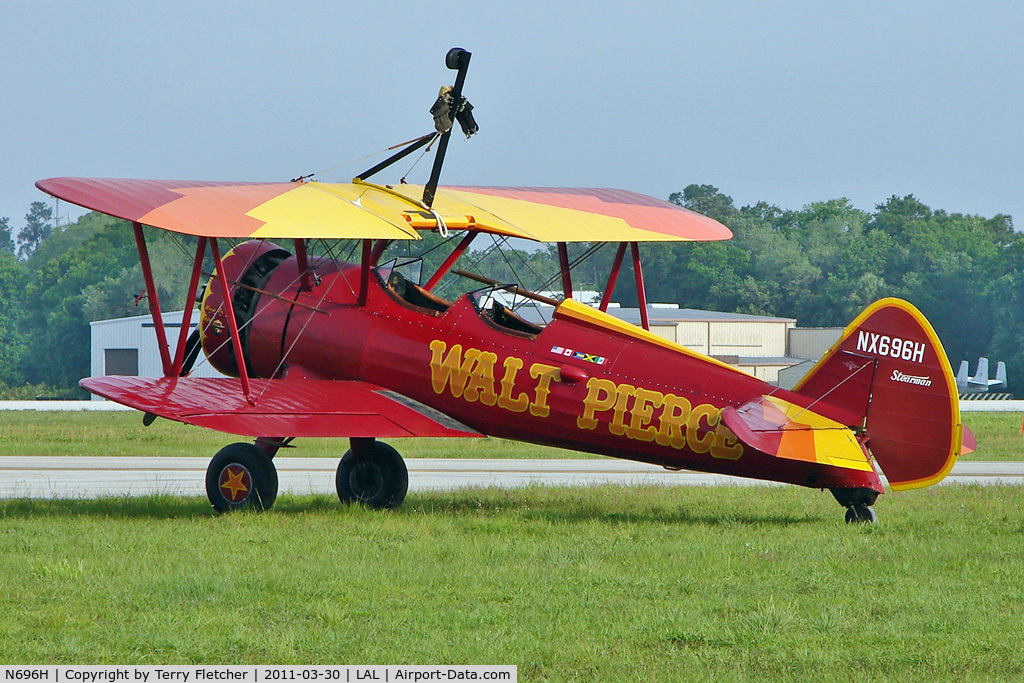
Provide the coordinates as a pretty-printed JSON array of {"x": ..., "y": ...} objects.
[
  {"x": 376, "y": 477},
  {"x": 241, "y": 476},
  {"x": 861, "y": 514}
]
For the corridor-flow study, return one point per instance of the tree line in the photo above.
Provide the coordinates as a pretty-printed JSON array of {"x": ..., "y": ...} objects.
[{"x": 821, "y": 264}]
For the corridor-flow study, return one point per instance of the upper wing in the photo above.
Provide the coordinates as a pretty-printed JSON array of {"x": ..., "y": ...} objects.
[
  {"x": 553, "y": 214},
  {"x": 307, "y": 408},
  {"x": 360, "y": 210},
  {"x": 242, "y": 210}
]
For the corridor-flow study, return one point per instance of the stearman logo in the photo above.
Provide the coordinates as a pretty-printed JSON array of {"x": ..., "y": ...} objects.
[
  {"x": 894, "y": 347},
  {"x": 898, "y": 376}
]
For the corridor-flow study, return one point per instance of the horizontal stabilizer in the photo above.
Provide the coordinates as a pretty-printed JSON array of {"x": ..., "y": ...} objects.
[
  {"x": 303, "y": 408},
  {"x": 786, "y": 430}
]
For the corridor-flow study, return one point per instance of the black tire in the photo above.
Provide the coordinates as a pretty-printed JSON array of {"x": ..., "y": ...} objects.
[
  {"x": 376, "y": 478},
  {"x": 241, "y": 476},
  {"x": 861, "y": 514}
]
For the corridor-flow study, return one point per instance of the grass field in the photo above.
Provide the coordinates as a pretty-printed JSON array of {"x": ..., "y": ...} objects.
[
  {"x": 590, "y": 584},
  {"x": 593, "y": 584},
  {"x": 122, "y": 433},
  {"x": 101, "y": 433}
]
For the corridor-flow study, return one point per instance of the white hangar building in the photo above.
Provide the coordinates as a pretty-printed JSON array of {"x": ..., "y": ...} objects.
[
  {"x": 127, "y": 346},
  {"x": 756, "y": 344}
]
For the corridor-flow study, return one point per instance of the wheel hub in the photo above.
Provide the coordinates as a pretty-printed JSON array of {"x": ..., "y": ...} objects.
[
  {"x": 235, "y": 483},
  {"x": 366, "y": 480}
]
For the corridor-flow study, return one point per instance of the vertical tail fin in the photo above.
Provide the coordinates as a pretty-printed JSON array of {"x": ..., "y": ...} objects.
[
  {"x": 981, "y": 376},
  {"x": 963, "y": 375},
  {"x": 889, "y": 373},
  {"x": 1000, "y": 375}
]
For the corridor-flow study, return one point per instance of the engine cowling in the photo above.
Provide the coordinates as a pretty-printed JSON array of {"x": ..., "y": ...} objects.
[{"x": 248, "y": 267}]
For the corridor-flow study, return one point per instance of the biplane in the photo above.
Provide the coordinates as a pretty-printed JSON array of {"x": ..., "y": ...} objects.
[{"x": 320, "y": 346}]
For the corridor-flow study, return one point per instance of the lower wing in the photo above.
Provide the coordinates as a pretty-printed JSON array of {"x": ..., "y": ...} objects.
[{"x": 300, "y": 408}]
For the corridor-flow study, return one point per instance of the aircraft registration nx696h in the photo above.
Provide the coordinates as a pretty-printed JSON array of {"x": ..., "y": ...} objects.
[{"x": 320, "y": 347}]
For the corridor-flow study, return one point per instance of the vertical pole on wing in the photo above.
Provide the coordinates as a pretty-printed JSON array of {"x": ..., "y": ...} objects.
[
  {"x": 154, "y": 299},
  {"x": 229, "y": 313},
  {"x": 457, "y": 58},
  {"x": 641, "y": 294},
  {"x": 563, "y": 266},
  {"x": 452, "y": 258},
  {"x": 190, "y": 302},
  {"x": 613, "y": 275}
]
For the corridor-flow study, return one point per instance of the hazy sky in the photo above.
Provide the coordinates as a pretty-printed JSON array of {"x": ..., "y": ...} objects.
[{"x": 788, "y": 102}]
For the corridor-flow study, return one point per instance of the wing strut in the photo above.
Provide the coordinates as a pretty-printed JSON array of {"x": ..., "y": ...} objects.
[
  {"x": 641, "y": 294},
  {"x": 190, "y": 302},
  {"x": 229, "y": 313},
  {"x": 638, "y": 272},
  {"x": 366, "y": 262},
  {"x": 154, "y": 300},
  {"x": 171, "y": 367},
  {"x": 563, "y": 264},
  {"x": 302, "y": 260},
  {"x": 452, "y": 258},
  {"x": 613, "y": 275}
]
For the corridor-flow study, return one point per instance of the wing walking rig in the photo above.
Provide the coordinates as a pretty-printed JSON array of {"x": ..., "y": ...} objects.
[{"x": 320, "y": 347}]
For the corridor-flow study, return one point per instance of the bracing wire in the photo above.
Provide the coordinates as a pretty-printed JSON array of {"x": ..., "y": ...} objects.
[
  {"x": 362, "y": 158},
  {"x": 418, "y": 159}
]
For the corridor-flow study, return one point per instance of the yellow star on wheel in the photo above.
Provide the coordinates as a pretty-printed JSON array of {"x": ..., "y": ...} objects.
[{"x": 235, "y": 482}]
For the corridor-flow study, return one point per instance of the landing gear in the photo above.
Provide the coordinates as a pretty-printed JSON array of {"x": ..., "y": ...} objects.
[
  {"x": 372, "y": 473},
  {"x": 240, "y": 476},
  {"x": 861, "y": 514},
  {"x": 858, "y": 502}
]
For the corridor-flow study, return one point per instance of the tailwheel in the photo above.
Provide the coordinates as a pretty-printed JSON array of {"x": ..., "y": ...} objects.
[
  {"x": 861, "y": 514},
  {"x": 241, "y": 476},
  {"x": 858, "y": 502},
  {"x": 373, "y": 474}
]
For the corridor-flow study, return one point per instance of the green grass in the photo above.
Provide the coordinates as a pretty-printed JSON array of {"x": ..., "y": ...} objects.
[
  {"x": 592, "y": 584},
  {"x": 101, "y": 433},
  {"x": 122, "y": 433},
  {"x": 999, "y": 436}
]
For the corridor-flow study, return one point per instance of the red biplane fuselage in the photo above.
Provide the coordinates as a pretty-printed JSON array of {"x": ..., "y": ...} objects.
[{"x": 585, "y": 381}]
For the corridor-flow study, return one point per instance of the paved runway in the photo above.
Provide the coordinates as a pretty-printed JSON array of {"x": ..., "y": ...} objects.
[{"x": 78, "y": 477}]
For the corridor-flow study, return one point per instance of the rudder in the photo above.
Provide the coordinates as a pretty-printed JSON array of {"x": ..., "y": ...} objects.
[{"x": 889, "y": 374}]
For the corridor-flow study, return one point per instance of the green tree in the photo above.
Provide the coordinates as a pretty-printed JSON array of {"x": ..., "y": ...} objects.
[
  {"x": 90, "y": 271},
  {"x": 1005, "y": 298},
  {"x": 38, "y": 226},
  {"x": 6, "y": 240},
  {"x": 706, "y": 200},
  {"x": 12, "y": 308}
]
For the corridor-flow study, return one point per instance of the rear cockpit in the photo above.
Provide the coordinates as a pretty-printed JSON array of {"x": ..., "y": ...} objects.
[
  {"x": 493, "y": 308},
  {"x": 495, "y": 303},
  {"x": 410, "y": 294}
]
